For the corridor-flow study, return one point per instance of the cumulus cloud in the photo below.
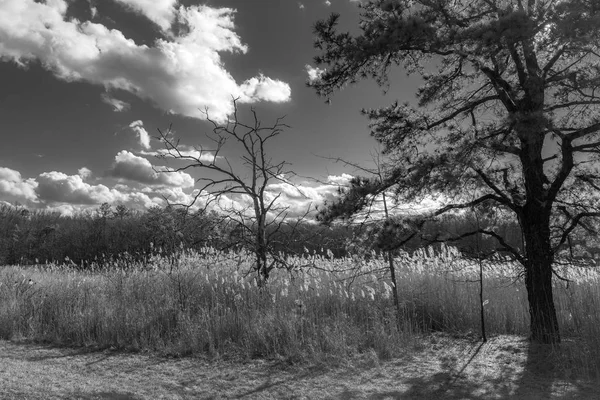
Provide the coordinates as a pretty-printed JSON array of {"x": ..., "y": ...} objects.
[
  {"x": 181, "y": 73},
  {"x": 69, "y": 194},
  {"x": 161, "y": 12},
  {"x": 84, "y": 173},
  {"x": 299, "y": 197},
  {"x": 184, "y": 151},
  {"x": 175, "y": 195},
  {"x": 116, "y": 104},
  {"x": 14, "y": 188},
  {"x": 62, "y": 188},
  {"x": 288, "y": 190},
  {"x": 265, "y": 88},
  {"x": 314, "y": 73},
  {"x": 341, "y": 180},
  {"x": 327, "y": 3},
  {"x": 93, "y": 9},
  {"x": 141, "y": 133},
  {"x": 130, "y": 167}
]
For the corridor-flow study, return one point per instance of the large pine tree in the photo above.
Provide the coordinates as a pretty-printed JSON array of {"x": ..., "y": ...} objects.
[{"x": 508, "y": 114}]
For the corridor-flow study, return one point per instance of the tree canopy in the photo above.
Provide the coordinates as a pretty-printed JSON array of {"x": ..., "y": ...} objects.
[{"x": 507, "y": 114}]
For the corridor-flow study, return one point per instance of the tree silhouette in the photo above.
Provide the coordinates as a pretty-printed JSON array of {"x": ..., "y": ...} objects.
[
  {"x": 259, "y": 223},
  {"x": 507, "y": 114}
]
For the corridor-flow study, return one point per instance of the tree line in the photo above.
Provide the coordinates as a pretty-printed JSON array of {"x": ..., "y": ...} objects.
[{"x": 108, "y": 233}]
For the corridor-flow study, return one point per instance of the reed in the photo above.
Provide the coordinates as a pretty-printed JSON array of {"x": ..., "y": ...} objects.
[{"x": 207, "y": 302}]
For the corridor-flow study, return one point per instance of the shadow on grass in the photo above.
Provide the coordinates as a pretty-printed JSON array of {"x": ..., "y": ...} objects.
[
  {"x": 270, "y": 383},
  {"x": 450, "y": 383},
  {"x": 56, "y": 351},
  {"x": 546, "y": 375},
  {"x": 22, "y": 350},
  {"x": 95, "y": 354},
  {"x": 542, "y": 377},
  {"x": 503, "y": 368},
  {"x": 107, "y": 396}
]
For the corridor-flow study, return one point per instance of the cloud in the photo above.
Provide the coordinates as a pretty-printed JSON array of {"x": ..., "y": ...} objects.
[
  {"x": 61, "y": 188},
  {"x": 69, "y": 194},
  {"x": 84, "y": 173},
  {"x": 181, "y": 73},
  {"x": 298, "y": 197},
  {"x": 141, "y": 133},
  {"x": 327, "y": 3},
  {"x": 14, "y": 188},
  {"x": 264, "y": 88},
  {"x": 301, "y": 196},
  {"x": 161, "y": 12},
  {"x": 62, "y": 193},
  {"x": 178, "y": 196},
  {"x": 314, "y": 74},
  {"x": 287, "y": 190},
  {"x": 184, "y": 151},
  {"x": 138, "y": 169},
  {"x": 116, "y": 104},
  {"x": 340, "y": 180},
  {"x": 93, "y": 9},
  {"x": 301, "y": 6}
]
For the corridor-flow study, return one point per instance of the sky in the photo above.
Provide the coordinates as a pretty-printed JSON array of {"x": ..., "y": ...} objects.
[{"x": 86, "y": 84}]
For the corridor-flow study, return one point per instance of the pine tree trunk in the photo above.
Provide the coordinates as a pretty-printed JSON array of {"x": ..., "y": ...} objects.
[{"x": 538, "y": 277}]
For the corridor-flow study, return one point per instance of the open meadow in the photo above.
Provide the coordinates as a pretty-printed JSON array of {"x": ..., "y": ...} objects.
[{"x": 329, "y": 315}]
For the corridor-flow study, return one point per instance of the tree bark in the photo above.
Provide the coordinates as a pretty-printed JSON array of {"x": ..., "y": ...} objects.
[
  {"x": 261, "y": 251},
  {"x": 534, "y": 216},
  {"x": 395, "y": 286},
  {"x": 538, "y": 276}
]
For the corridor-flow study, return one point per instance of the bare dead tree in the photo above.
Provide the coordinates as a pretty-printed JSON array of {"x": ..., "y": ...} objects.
[{"x": 226, "y": 187}]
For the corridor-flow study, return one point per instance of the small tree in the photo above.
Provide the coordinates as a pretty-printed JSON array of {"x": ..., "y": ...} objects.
[
  {"x": 363, "y": 198},
  {"x": 258, "y": 223},
  {"x": 507, "y": 114}
]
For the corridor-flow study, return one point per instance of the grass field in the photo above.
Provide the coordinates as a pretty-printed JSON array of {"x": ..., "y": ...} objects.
[{"x": 207, "y": 304}]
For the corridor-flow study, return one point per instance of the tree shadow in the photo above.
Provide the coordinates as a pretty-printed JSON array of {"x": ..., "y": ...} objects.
[
  {"x": 545, "y": 376},
  {"x": 107, "y": 396},
  {"x": 95, "y": 354},
  {"x": 23, "y": 348},
  {"x": 541, "y": 378},
  {"x": 60, "y": 351},
  {"x": 450, "y": 383},
  {"x": 270, "y": 383},
  {"x": 539, "y": 372}
]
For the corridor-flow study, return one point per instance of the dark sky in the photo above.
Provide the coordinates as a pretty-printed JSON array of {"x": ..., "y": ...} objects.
[{"x": 85, "y": 83}]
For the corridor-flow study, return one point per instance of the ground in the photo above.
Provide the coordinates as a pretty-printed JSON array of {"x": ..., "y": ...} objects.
[{"x": 505, "y": 367}]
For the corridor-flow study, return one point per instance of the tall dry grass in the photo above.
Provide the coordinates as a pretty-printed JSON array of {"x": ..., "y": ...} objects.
[{"x": 207, "y": 303}]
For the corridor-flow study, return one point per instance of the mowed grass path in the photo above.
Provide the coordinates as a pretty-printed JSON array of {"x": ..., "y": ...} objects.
[{"x": 507, "y": 367}]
